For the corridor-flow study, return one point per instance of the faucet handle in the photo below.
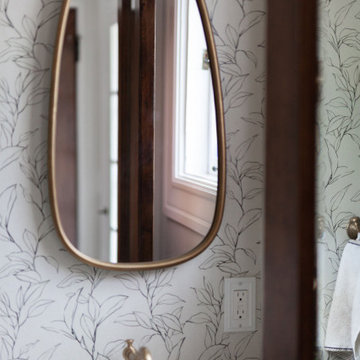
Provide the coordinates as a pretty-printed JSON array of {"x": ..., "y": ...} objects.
[
  {"x": 129, "y": 342},
  {"x": 130, "y": 352},
  {"x": 144, "y": 354}
]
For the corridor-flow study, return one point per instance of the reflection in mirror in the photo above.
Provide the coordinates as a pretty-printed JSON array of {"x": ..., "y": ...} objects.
[
  {"x": 338, "y": 164},
  {"x": 136, "y": 150}
]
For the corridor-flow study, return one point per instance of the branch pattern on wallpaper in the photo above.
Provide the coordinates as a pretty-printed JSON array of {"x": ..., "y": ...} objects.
[
  {"x": 339, "y": 143},
  {"x": 52, "y": 306}
]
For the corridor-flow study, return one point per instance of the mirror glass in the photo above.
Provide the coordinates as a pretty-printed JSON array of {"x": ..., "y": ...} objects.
[
  {"x": 338, "y": 170},
  {"x": 136, "y": 150}
]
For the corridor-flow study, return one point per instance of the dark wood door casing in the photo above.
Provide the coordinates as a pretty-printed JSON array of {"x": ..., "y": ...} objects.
[
  {"x": 289, "y": 298},
  {"x": 146, "y": 121},
  {"x": 136, "y": 130}
]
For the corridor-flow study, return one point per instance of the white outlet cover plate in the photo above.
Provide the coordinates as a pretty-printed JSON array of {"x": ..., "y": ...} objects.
[{"x": 231, "y": 324}]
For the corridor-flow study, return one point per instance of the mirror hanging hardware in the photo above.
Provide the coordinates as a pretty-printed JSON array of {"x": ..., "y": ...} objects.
[
  {"x": 206, "y": 60},
  {"x": 130, "y": 353},
  {"x": 353, "y": 228}
]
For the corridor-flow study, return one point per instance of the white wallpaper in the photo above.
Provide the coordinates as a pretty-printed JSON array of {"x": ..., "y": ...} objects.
[
  {"x": 54, "y": 307},
  {"x": 338, "y": 144}
]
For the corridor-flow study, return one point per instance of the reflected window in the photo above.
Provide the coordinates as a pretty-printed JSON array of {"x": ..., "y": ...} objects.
[
  {"x": 192, "y": 178},
  {"x": 196, "y": 160},
  {"x": 114, "y": 130}
]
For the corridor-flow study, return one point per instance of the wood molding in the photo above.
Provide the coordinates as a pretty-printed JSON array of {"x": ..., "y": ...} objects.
[
  {"x": 146, "y": 130},
  {"x": 136, "y": 131},
  {"x": 289, "y": 300}
]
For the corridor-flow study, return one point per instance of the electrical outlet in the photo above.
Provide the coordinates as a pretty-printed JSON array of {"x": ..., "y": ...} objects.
[{"x": 239, "y": 304}]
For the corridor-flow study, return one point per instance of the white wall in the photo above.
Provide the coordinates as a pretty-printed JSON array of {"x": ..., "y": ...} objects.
[
  {"x": 55, "y": 307},
  {"x": 93, "y": 102}
]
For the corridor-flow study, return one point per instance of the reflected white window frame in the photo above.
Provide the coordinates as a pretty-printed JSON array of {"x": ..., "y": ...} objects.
[
  {"x": 187, "y": 199},
  {"x": 114, "y": 152},
  {"x": 187, "y": 113}
]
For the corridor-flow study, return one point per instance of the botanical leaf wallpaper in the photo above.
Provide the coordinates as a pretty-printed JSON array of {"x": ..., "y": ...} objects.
[
  {"x": 338, "y": 145},
  {"x": 52, "y": 306}
]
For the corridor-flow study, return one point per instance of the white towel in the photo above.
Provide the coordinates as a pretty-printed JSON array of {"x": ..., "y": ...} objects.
[
  {"x": 343, "y": 328},
  {"x": 355, "y": 322}
]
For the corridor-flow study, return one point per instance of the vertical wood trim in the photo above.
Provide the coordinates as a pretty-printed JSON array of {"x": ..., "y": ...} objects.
[
  {"x": 128, "y": 122},
  {"x": 124, "y": 78},
  {"x": 134, "y": 124},
  {"x": 289, "y": 298},
  {"x": 146, "y": 121},
  {"x": 136, "y": 130}
]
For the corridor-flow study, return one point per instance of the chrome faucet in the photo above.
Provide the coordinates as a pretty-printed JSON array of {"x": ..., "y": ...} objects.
[{"x": 130, "y": 353}]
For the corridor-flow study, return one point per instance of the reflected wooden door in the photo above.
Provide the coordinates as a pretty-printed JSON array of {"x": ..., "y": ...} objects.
[
  {"x": 136, "y": 130},
  {"x": 66, "y": 139}
]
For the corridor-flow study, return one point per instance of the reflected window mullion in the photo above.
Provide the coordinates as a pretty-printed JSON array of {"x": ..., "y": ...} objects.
[{"x": 114, "y": 130}]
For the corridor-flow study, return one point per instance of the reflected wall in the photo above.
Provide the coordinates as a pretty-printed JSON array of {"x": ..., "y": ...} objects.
[{"x": 338, "y": 154}]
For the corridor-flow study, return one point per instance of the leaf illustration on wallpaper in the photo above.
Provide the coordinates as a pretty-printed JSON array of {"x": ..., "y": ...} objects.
[
  {"x": 80, "y": 273},
  {"x": 22, "y": 48},
  {"x": 230, "y": 256},
  {"x": 7, "y": 201},
  {"x": 14, "y": 315},
  {"x": 82, "y": 320},
  {"x": 158, "y": 320},
  {"x": 48, "y": 354},
  {"x": 210, "y": 300},
  {"x": 236, "y": 63},
  {"x": 211, "y": 6},
  {"x": 9, "y": 155},
  {"x": 217, "y": 343},
  {"x": 337, "y": 198},
  {"x": 256, "y": 117},
  {"x": 24, "y": 258},
  {"x": 341, "y": 14}
]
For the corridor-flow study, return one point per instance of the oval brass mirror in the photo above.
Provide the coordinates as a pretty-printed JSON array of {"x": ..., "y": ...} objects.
[{"x": 136, "y": 146}]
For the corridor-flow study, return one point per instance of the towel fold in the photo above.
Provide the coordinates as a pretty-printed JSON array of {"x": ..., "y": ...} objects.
[
  {"x": 355, "y": 322},
  {"x": 343, "y": 329}
]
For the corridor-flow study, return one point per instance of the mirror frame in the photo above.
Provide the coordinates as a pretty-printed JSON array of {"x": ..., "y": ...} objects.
[{"x": 220, "y": 126}]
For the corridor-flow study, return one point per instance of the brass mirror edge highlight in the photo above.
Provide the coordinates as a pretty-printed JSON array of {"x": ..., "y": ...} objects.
[{"x": 220, "y": 125}]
